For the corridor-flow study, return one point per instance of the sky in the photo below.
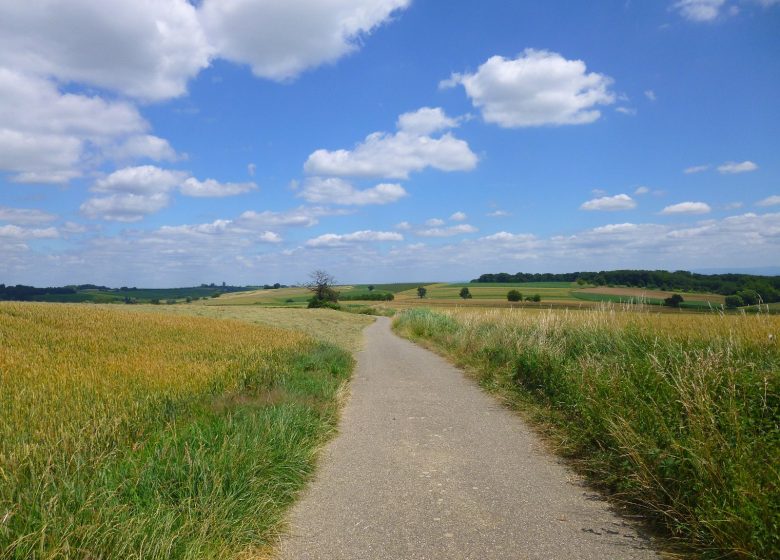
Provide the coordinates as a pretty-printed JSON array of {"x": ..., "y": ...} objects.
[{"x": 163, "y": 143}]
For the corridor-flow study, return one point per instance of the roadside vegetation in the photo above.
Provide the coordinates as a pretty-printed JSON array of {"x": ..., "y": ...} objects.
[
  {"x": 148, "y": 435},
  {"x": 676, "y": 415}
]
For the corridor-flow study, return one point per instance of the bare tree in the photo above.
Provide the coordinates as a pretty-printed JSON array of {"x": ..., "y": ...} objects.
[{"x": 321, "y": 283}]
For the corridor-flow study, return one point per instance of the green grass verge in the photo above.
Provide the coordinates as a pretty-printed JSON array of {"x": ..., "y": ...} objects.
[{"x": 677, "y": 416}]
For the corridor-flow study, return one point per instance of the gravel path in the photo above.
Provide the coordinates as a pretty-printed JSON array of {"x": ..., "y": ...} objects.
[{"x": 427, "y": 466}]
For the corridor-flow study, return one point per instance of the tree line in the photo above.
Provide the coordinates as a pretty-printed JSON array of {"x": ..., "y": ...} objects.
[{"x": 767, "y": 287}]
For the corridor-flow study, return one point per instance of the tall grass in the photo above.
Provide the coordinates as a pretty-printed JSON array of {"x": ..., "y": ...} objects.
[
  {"x": 677, "y": 415},
  {"x": 136, "y": 435}
]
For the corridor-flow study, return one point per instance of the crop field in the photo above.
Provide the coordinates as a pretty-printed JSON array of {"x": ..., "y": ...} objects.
[
  {"x": 677, "y": 415},
  {"x": 149, "y": 435}
]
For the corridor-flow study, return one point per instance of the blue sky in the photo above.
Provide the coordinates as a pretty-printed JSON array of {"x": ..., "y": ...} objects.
[{"x": 250, "y": 141}]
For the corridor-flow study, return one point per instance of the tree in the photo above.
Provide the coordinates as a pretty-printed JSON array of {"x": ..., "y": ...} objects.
[
  {"x": 421, "y": 291},
  {"x": 321, "y": 284},
  {"x": 464, "y": 293},
  {"x": 514, "y": 295},
  {"x": 674, "y": 301},
  {"x": 537, "y": 298},
  {"x": 732, "y": 302},
  {"x": 370, "y": 287},
  {"x": 750, "y": 297}
]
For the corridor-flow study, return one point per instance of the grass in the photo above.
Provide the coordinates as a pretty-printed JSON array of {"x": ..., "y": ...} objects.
[
  {"x": 149, "y": 435},
  {"x": 676, "y": 415}
]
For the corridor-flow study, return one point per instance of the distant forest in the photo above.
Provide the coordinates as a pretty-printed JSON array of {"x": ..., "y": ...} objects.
[
  {"x": 768, "y": 287},
  {"x": 103, "y": 294}
]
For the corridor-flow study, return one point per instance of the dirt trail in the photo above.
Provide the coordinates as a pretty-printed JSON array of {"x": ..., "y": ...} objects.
[{"x": 427, "y": 466}]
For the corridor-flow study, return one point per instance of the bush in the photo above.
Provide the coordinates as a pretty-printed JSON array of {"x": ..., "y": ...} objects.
[
  {"x": 674, "y": 300},
  {"x": 537, "y": 298},
  {"x": 464, "y": 293},
  {"x": 421, "y": 291},
  {"x": 316, "y": 303},
  {"x": 749, "y": 297},
  {"x": 514, "y": 295},
  {"x": 732, "y": 302}
]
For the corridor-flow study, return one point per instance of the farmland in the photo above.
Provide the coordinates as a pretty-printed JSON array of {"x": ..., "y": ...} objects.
[
  {"x": 676, "y": 415},
  {"x": 138, "y": 434}
]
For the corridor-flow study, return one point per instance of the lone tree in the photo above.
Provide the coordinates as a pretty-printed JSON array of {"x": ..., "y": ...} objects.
[
  {"x": 465, "y": 293},
  {"x": 370, "y": 287},
  {"x": 674, "y": 301},
  {"x": 421, "y": 291},
  {"x": 321, "y": 283},
  {"x": 514, "y": 295}
]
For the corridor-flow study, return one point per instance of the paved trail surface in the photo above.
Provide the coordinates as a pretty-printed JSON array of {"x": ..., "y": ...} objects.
[{"x": 427, "y": 466}]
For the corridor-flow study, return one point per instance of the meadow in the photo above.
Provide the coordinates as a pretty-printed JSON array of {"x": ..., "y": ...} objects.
[
  {"x": 676, "y": 416},
  {"x": 149, "y": 435}
]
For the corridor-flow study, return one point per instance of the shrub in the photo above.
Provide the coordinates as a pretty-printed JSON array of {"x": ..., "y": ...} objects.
[
  {"x": 514, "y": 295},
  {"x": 465, "y": 293},
  {"x": 316, "y": 303},
  {"x": 537, "y": 298},
  {"x": 421, "y": 291},
  {"x": 674, "y": 300},
  {"x": 732, "y": 302}
]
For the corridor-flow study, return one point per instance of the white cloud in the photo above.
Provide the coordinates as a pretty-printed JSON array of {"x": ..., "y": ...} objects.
[
  {"x": 610, "y": 203},
  {"x": 221, "y": 228},
  {"x": 510, "y": 238},
  {"x": 425, "y": 121},
  {"x": 731, "y": 167},
  {"x": 446, "y": 231},
  {"x": 333, "y": 190},
  {"x": 142, "y": 48},
  {"x": 434, "y": 222},
  {"x": 45, "y": 135},
  {"x": 769, "y": 201},
  {"x": 641, "y": 190},
  {"x": 145, "y": 146},
  {"x": 650, "y": 94},
  {"x": 458, "y": 216},
  {"x": 299, "y": 217},
  {"x": 630, "y": 111},
  {"x": 537, "y": 88},
  {"x": 251, "y": 169},
  {"x": 498, "y": 214},
  {"x": 279, "y": 40},
  {"x": 687, "y": 208},
  {"x": 695, "y": 169},
  {"x": 396, "y": 155},
  {"x": 25, "y": 216},
  {"x": 699, "y": 10},
  {"x": 143, "y": 179},
  {"x": 212, "y": 188},
  {"x": 342, "y": 240},
  {"x": 403, "y": 226},
  {"x": 733, "y": 205},
  {"x": 124, "y": 207},
  {"x": 20, "y": 233}
]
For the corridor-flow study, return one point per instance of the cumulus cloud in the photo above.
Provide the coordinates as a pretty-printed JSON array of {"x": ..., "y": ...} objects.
[
  {"x": 610, "y": 203},
  {"x": 403, "y": 226},
  {"x": 333, "y": 190},
  {"x": 279, "y": 40},
  {"x": 143, "y": 146},
  {"x": 298, "y": 217},
  {"x": 687, "y": 208},
  {"x": 510, "y": 238},
  {"x": 20, "y": 233},
  {"x": 25, "y": 216},
  {"x": 446, "y": 231},
  {"x": 46, "y": 135},
  {"x": 769, "y": 201},
  {"x": 147, "y": 48},
  {"x": 143, "y": 179},
  {"x": 124, "y": 207},
  {"x": 458, "y": 217},
  {"x": 342, "y": 240},
  {"x": 537, "y": 88},
  {"x": 397, "y": 155},
  {"x": 221, "y": 228},
  {"x": 699, "y": 10},
  {"x": 641, "y": 190},
  {"x": 213, "y": 188},
  {"x": 434, "y": 222},
  {"x": 731, "y": 167}
]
